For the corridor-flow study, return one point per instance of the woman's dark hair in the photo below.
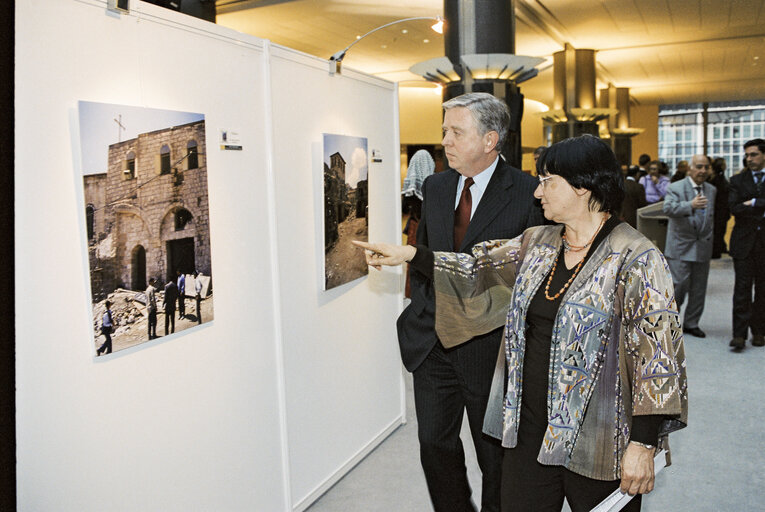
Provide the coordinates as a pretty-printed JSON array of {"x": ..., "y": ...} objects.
[
  {"x": 589, "y": 163},
  {"x": 718, "y": 165}
]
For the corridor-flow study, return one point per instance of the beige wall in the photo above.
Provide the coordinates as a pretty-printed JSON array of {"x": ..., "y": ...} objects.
[
  {"x": 646, "y": 117},
  {"x": 419, "y": 115}
]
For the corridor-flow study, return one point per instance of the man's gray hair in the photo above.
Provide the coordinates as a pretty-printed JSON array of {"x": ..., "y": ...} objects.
[{"x": 490, "y": 113}]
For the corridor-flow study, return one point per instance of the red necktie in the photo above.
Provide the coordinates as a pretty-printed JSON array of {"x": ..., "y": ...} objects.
[{"x": 462, "y": 214}]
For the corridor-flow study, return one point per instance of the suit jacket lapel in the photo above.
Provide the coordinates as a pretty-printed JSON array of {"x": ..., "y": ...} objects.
[
  {"x": 493, "y": 201},
  {"x": 445, "y": 198}
]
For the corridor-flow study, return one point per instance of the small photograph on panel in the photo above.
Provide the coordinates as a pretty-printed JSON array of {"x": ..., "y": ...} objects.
[
  {"x": 346, "y": 207},
  {"x": 147, "y": 223}
]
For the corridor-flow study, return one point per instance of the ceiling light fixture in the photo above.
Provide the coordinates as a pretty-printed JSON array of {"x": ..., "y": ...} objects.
[{"x": 335, "y": 62}]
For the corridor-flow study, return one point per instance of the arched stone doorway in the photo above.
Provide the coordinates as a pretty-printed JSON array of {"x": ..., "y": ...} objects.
[{"x": 138, "y": 264}]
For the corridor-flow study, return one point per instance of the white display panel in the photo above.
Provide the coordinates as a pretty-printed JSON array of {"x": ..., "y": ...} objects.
[
  {"x": 268, "y": 405},
  {"x": 153, "y": 427},
  {"x": 344, "y": 337}
]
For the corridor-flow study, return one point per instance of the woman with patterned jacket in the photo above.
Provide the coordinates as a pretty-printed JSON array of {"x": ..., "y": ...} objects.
[{"x": 592, "y": 377}]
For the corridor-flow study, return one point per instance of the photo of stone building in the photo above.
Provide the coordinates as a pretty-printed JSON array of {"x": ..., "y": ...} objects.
[
  {"x": 345, "y": 208},
  {"x": 148, "y": 217}
]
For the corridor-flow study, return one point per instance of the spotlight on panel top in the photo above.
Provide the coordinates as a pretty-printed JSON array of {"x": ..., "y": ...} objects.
[{"x": 335, "y": 62}]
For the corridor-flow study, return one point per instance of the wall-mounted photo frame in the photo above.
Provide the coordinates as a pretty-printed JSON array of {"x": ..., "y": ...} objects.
[
  {"x": 147, "y": 222},
  {"x": 346, "y": 208}
]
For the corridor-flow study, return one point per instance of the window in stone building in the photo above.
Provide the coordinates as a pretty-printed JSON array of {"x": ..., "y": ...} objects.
[
  {"x": 193, "y": 154},
  {"x": 164, "y": 160},
  {"x": 129, "y": 171},
  {"x": 182, "y": 217},
  {"x": 90, "y": 221}
]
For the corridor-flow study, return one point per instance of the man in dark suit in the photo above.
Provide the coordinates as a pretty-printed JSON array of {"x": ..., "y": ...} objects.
[
  {"x": 689, "y": 204},
  {"x": 634, "y": 196},
  {"x": 480, "y": 198},
  {"x": 747, "y": 247}
]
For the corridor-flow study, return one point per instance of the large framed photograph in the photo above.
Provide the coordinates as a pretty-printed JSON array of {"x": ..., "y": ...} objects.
[
  {"x": 147, "y": 223},
  {"x": 346, "y": 208}
]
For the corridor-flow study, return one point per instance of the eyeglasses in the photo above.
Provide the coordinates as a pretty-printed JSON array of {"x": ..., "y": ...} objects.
[{"x": 544, "y": 179}]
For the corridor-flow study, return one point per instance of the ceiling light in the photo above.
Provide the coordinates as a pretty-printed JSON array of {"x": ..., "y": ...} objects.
[
  {"x": 404, "y": 31},
  {"x": 426, "y": 40},
  {"x": 438, "y": 26}
]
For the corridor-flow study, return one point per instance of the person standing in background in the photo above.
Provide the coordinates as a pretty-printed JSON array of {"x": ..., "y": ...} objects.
[
  {"x": 688, "y": 248},
  {"x": 420, "y": 167},
  {"x": 747, "y": 247},
  {"x": 654, "y": 183},
  {"x": 722, "y": 210},
  {"x": 634, "y": 197}
]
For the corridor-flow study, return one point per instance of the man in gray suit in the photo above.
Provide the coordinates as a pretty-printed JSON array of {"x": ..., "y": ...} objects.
[{"x": 688, "y": 248}]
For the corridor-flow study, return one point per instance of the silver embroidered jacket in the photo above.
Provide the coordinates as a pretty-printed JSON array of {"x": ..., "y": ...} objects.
[{"x": 617, "y": 344}]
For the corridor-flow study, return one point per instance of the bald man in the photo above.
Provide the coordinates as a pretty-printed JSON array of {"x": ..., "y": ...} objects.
[{"x": 688, "y": 248}]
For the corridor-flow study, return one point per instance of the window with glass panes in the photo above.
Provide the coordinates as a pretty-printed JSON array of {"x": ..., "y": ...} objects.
[{"x": 729, "y": 125}]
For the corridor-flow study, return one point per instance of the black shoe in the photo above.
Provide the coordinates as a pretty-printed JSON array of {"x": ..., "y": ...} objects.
[
  {"x": 694, "y": 331},
  {"x": 738, "y": 343},
  {"x": 758, "y": 340}
]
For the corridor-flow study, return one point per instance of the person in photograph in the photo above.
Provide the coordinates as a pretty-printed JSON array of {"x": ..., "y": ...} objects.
[
  {"x": 747, "y": 247},
  {"x": 689, "y": 204},
  {"x": 591, "y": 378},
  {"x": 107, "y": 327},
  {"x": 168, "y": 303},
  {"x": 198, "y": 296},
  {"x": 181, "y": 284},
  {"x": 480, "y": 197},
  {"x": 654, "y": 183},
  {"x": 151, "y": 307}
]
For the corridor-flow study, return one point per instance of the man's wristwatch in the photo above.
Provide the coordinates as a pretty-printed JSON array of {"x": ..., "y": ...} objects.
[{"x": 644, "y": 445}]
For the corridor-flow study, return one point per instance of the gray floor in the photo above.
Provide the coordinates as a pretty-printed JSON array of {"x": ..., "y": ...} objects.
[{"x": 718, "y": 461}]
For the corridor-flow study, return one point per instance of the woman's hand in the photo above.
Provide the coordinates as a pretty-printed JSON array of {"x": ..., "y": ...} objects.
[
  {"x": 386, "y": 254},
  {"x": 637, "y": 470}
]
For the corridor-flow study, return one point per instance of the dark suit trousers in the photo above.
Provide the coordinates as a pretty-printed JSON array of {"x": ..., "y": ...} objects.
[
  {"x": 169, "y": 319},
  {"x": 446, "y": 384},
  {"x": 747, "y": 313}
]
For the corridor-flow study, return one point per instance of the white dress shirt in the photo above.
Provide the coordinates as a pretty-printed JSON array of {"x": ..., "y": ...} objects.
[{"x": 480, "y": 182}]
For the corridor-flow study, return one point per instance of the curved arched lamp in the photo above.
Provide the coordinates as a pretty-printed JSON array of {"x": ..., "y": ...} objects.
[{"x": 335, "y": 62}]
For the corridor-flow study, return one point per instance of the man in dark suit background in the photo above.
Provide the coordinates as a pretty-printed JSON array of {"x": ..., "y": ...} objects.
[
  {"x": 747, "y": 247},
  {"x": 480, "y": 198},
  {"x": 634, "y": 196}
]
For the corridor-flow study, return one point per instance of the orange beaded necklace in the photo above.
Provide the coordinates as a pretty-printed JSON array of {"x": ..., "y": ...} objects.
[{"x": 574, "y": 248}]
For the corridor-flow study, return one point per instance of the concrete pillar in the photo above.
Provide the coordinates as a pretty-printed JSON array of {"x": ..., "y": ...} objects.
[
  {"x": 619, "y": 123},
  {"x": 484, "y": 27}
]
